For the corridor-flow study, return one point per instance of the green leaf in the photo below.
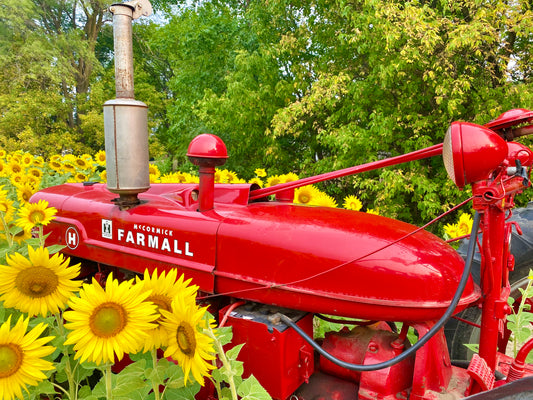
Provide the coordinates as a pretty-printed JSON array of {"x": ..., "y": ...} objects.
[
  {"x": 185, "y": 393},
  {"x": 251, "y": 389}
]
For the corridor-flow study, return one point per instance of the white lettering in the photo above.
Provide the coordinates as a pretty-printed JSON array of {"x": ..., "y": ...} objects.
[
  {"x": 176, "y": 249},
  {"x": 129, "y": 237},
  {"x": 140, "y": 239},
  {"x": 165, "y": 245},
  {"x": 153, "y": 241},
  {"x": 72, "y": 238},
  {"x": 120, "y": 234},
  {"x": 187, "y": 252}
]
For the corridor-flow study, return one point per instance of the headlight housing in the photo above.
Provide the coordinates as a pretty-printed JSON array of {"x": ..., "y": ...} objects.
[{"x": 471, "y": 152}]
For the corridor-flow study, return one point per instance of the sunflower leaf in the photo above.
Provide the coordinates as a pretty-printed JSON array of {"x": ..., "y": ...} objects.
[
  {"x": 251, "y": 389},
  {"x": 185, "y": 393}
]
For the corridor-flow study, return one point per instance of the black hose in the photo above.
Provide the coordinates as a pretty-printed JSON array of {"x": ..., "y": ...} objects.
[{"x": 423, "y": 340}]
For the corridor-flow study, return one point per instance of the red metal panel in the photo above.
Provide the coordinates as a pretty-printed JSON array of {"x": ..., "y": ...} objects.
[
  {"x": 276, "y": 355},
  {"x": 329, "y": 260}
]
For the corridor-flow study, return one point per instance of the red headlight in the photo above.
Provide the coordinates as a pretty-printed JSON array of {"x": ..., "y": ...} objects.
[{"x": 471, "y": 152}]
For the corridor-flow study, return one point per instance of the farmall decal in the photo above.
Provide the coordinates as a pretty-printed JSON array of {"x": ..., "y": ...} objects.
[{"x": 150, "y": 237}]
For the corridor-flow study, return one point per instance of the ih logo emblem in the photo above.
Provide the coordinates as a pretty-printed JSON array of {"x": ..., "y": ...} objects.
[
  {"x": 107, "y": 229},
  {"x": 72, "y": 238}
]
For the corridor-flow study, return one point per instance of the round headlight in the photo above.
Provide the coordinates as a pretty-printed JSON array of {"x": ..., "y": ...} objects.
[{"x": 471, "y": 152}]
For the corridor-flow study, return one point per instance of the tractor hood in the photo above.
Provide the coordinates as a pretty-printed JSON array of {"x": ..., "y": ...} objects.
[{"x": 314, "y": 259}]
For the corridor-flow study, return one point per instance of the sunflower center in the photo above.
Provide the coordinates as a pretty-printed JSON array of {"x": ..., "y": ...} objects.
[
  {"x": 10, "y": 359},
  {"x": 162, "y": 302},
  {"x": 37, "y": 216},
  {"x": 186, "y": 339},
  {"x": 36, "y": 281},
  {"x": 304, "y": 198},
  {"x": 108, "y": 319}
]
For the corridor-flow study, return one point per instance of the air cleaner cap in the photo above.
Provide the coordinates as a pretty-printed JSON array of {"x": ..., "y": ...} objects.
[{"x": 207, "y": 150}]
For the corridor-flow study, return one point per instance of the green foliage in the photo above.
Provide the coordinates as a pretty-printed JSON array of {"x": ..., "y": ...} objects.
[{"x": 520, "y": 322}]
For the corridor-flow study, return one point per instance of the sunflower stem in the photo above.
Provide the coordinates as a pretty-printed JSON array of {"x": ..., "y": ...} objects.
[
  {"x": 108, "y": 385},
  {"x": 155, "y": 385},
  {"x": 226, "y": 364},
  {"x": 41, "y": 236},
  {"x": 9, "y": 236},
  {"x": 72, "y": 385}
]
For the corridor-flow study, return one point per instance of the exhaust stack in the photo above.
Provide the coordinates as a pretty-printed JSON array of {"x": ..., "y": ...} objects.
[{"x": 126, "y": 119}]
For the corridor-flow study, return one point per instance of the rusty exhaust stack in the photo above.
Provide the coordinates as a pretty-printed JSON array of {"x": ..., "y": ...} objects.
[{"x": 126, "y": 119}]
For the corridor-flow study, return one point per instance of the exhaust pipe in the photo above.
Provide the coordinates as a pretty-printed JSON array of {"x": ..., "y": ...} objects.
[{"x": 126, "y": 119}]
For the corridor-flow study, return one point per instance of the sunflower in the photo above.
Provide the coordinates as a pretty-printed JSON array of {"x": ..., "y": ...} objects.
[
  {"x": 273, "y": 180},
  {"x": 257, "y": 181},
  {"x": 55, "y": 165},
  {"x": 231, "y": 176},
  {"x": 22, "y": 235},
  {"x": 14, "y": 167},
  {"x": 260, "y": 172},
  {"x": 21, "y": 361},
  {"x": 289, "y": 177},
  {"x": 324, "y": 200},
  {"x": 6, "y": 208},
  {"x": 352, "y": 203},
  {"x": 81, "y": 163},
  {"x": 305, "y": 194},
  {"x": 374, "y": 211},
  {"x": 100, "y": 157},
  {"x": 38, "y": 162},
  {"x": 452, "y": 231},
  {"x": 163, "y": 289},
  {"x": 109, "y": 322},
  {"x": 36, "y": 172},
  {"x": 38, "y": 284},
  {"x": 25, "y": 191},
  {"x": 188, "y": 345},
  {"x": 26, "y": 159},
  {"x": 464, "y": 226},
  {"x": 35, "y": 214},
  {"x": 103, "y": 176}
]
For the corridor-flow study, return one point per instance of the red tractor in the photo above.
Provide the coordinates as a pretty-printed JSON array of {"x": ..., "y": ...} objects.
[{"x": 268, "y": 267}]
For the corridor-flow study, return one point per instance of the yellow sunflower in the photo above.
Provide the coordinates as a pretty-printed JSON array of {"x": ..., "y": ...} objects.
[
  {"x": 273, "y": 180},
  {"x": 38, "y": 284},
  {"x": 26, "y": 159},
  {"x": 107, "y": 323},
  {"x": 464, "y": 226},
  {"x": 260, "y": 172},
  {"x": 81, "y": 163},
  {"x": 36, "y": 172},
  {"x": 56, "y": 165},
  {"x": 324, "y": 200},
  {"x": 188, "y": 345},
  {"x": 14, "y": 167},
  {"x": 257, "y": 181},
  {"x": 21, "y": 361},
  {"x": 38, "y": 162},
  {"x": 25, "y": 191},
  {"x": 452, "y": 231},
  {"x": 305, "y": 194},
  {"x": 163, "y": 290},
  {"x": 103, "y": 176},
  {"x": 100, "y": 157},
  {"x": 22, "y": 235},
  {"x": 374, "y": 211},
  {"x": 352, "y": 203},
  {"x": 289, "y": 177},
  {"x": 6, "y": 208},
  {"x": 35, "y": 214}
]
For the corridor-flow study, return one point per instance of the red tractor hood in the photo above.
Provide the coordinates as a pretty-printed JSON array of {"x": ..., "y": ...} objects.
[{"x": 314, "y": 259}]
